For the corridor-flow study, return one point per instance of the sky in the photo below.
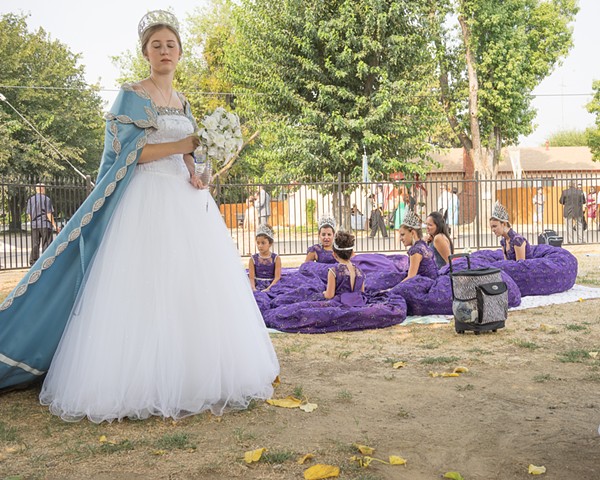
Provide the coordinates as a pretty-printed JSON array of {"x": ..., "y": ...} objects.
[{"x": 100, "y": 30}]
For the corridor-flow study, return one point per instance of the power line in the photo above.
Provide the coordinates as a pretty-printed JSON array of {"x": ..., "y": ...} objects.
[
  {"x": 3, "y": 99},
  {"x": 195, "y": 90}
]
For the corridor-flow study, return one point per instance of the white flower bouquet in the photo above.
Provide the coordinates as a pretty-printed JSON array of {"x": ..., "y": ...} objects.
[{"x": 220, "y": 138}]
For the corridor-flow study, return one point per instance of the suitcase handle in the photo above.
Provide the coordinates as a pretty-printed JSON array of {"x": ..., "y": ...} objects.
[{"x": 459, "y": 255}]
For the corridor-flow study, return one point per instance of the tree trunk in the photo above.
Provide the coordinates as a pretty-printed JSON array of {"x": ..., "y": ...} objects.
[{"x": 475, "y": 152}]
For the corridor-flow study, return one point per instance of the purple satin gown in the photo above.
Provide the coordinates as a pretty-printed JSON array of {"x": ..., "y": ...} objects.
[
  {"x": 264, "y": 273},
  {"x": 323, "y": 256},
  {"x": 348, "y": 310},
  {"x": 516, "y": 240}
]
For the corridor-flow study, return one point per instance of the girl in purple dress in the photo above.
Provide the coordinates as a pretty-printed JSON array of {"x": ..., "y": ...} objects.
[
  {"x": 343, "y": 305},
  {"x": 514, "y": 246},
  {"x": 322, "y": 252},
  {"x": 264, "y": 267},
  {"x": 345, "y": 281},
  {"x": 420, "y": 257},
  {"x": 439, "y": 238}
]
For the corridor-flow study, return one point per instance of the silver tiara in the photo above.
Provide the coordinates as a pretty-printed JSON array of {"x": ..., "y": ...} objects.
[
  {"x": 326, "y": 220},
  {"x": 157, "y": 17},
  {"x": 335, "y": 247},
  {"x": 266, "y": 231},
  {"x": 499, "y": 212},
  {"x": 411, "y": 220}
]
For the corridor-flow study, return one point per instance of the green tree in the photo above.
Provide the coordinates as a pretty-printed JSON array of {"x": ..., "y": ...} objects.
[
  {"x": 323, "y": 81},
  {"x": 568, "y": 138},
  {"x": 201, "y": 74},
  {"x": 490, "y": 57},
  {"x": 593, "y": 134},
  {"x": 50, "y": 92}
]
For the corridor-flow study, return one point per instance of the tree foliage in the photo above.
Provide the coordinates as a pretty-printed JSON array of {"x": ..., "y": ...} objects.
[
  {"x": 200, "y": 74},
  {"x": 50, "y": 91},
  {"x": 568, "y": 138},
  {"x": 324, "y": 81},
  {"x": 593, "y": 134},
  {"x": 491, "y": 55}
]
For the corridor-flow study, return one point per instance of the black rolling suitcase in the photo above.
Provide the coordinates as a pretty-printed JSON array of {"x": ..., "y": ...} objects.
[
  {"x": 479, "y": 298},
  {"x": 550, "y": 237}
]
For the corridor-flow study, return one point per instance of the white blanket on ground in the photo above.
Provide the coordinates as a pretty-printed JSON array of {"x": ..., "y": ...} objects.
[{"x": 576, "y": 294}]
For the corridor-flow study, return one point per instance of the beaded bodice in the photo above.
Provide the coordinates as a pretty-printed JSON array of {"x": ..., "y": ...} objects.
[
  {"x": 173, "y": 125},
  {"x": 264, "y": 267}
]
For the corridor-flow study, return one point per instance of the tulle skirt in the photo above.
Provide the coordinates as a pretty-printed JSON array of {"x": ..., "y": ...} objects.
[{"x": 166, "y": 323}]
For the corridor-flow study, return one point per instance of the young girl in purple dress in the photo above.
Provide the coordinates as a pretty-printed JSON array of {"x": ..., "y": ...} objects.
[
  {"x": 264, "y": 267},
  {"x": 420, "y": 257},
  {"x": 322, "y": 252},
  {"x": 514, "y": 246},
  {"x": 345, "y": 281}
]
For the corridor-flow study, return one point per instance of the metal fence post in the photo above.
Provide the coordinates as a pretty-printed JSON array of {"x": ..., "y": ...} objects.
[
  {"x": 339, "y": 195},
  {"x": 477, "y": 212},
  {"x": 88, "y": 185}
]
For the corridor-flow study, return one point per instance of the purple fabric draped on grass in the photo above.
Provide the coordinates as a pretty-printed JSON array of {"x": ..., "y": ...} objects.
[
  {"x": 296, "y": 303},
  {"x": 549, "y": 270},
  {"x": 348, "y": 310}
]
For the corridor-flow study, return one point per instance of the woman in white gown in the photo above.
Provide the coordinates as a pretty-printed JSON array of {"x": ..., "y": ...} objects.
[{"x": 165, "y": 323}]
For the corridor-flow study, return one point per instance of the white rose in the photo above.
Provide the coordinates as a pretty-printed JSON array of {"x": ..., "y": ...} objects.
[
  {"x": 210, "y": 123},
  {"x": 219, "y": 140}
]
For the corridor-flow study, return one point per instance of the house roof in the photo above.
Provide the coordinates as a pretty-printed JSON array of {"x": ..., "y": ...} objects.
[{"x": 533, "y": 159}]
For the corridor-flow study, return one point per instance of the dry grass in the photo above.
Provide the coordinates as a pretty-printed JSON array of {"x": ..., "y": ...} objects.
[{"x": 530, "y": 396}]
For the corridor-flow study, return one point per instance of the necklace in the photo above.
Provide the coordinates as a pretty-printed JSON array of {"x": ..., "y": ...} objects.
[{"x": 168, "y": 104}]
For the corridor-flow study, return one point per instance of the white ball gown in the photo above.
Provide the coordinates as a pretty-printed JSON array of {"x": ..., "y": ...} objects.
[{"x": 166, "y": 323}]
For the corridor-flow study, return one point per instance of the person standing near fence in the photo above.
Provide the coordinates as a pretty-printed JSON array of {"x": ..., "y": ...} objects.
[
  {"x": 538, "y": 206},
  {"x": 443, "y": 202},
  {"x": 41, "y": 214},
  {"x": 139, "y": 320},
  {"x": 376, "y": 220},
  {"x": 573, "y": 200},
  {"x": 263, "y": 206}
]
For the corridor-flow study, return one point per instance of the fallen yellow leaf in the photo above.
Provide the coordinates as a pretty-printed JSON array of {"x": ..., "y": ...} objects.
[
  {"x": 453, "y": 476},
  {"x": 364, "y": 449},
  {"x": 308, "y": 407},
  {"x": 277, "y": 381},
  {"x": 450, "y": 374},
  {"x": 102, "y": 439},
  {"x": 580, "y": 300},
  {"x": 12, "y": 449},
  {"x": 461, "y": 370},
  {"x": 547, "y": 328},
  {"x": 399, "y": 364},
  {"x": 254, "y": 455},
  {"x": 320, "y": 471},
  {"x": 159, "y": 452},
  {"x": 287, "y": 402},
  {"x": 396, "y": 460},
  {"x": 306, "y": 457},
  {"x": 434, "y": 374},
  {"x": 535, "y": 470}
]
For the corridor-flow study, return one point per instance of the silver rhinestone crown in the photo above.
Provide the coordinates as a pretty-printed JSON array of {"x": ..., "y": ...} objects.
[
  {"x": 412, "y": 220},
  {"x": 499, "y": 212},
  {"x": 266, "y": 231},
  {"x": 327, "y": 220},
  {"x": 157, "y": 17}
]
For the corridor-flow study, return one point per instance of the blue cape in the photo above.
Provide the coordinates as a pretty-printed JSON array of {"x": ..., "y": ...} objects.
[{"x": 34, "y": 315}]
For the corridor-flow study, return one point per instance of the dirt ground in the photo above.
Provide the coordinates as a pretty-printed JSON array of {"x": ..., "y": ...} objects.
[{"x": 531, "y": 396}]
